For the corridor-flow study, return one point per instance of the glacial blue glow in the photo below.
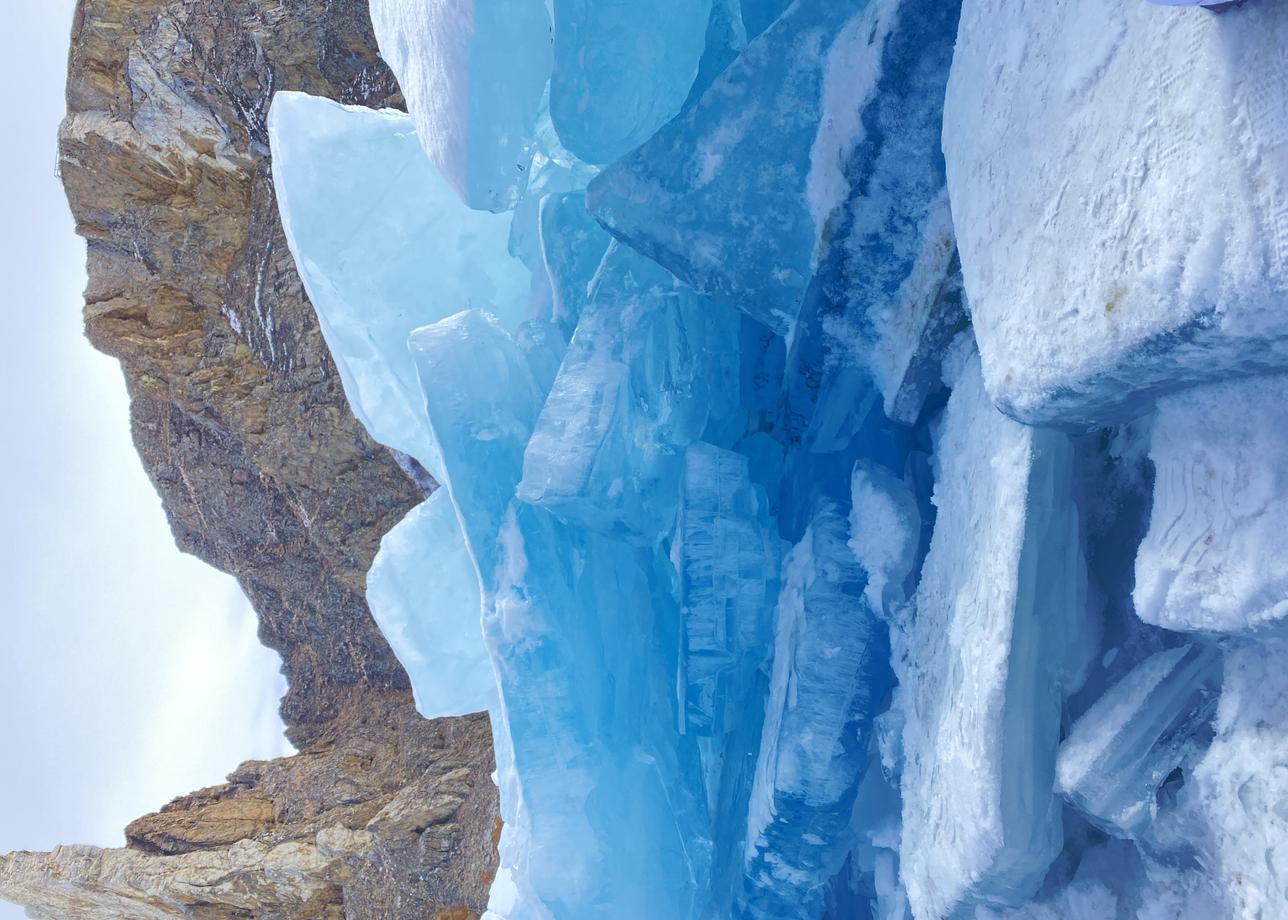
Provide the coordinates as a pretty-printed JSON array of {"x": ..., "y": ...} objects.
[{"x": 786, "y": 611}]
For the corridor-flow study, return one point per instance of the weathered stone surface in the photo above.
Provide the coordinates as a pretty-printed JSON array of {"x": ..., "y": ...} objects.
[
  {"x": 238, "y": 412},
  {"x": 241, "y": 422},
  {"x": 385, "y": 817}
]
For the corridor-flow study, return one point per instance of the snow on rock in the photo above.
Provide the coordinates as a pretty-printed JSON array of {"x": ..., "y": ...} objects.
[
  {"x": 1215, "y": 558},
  {"x": 383, "y": 246},
  {"x": 474, "y": 73},
  {"x": 1119, "y": 183},
  {"x": 985, "y": 662}
]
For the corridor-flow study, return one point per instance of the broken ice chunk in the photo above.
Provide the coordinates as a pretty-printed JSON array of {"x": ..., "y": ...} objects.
[
  {"x": 424, "y": 595},
  {"x": 830, "y": 676},
  {"x": 1119, "y": 184},
  {"x": 572, "y": 248},
  {"x": 383, "y": 246},
  {"x": 1240, "y": 788},
  {"x": 622, "y": 69},
  {"x": 719, "y": 195},
  {"x": 1215, "y": 557},
  {"x": 823, "y": 137},
  {"x": 482, "y": 403},
  {"x": 984, "y": 663},
  {"x": 473, "y": 73},
  {"x": 645, "y": 371},
  {"x": 1152, "y": 722}
]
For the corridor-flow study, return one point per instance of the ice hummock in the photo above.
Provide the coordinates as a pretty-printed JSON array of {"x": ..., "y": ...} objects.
[
  {"x": 690, "y": 532},
  {"x": 1215, "y": 558},
  {"x": 1118, "y": 175}
]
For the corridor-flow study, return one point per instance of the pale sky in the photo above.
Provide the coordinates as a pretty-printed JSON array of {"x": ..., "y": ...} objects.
[{"x": 129, "y": 673}]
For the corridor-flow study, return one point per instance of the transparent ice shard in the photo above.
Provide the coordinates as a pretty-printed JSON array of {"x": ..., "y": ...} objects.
[
  {"x": 719, "y": 195},
  {"x": 622, "y": 69},
  {"x": 474, "y": 73},
  {"x": 646, "y": 370},
  {"x": 424, "y": 594},
  {"x": 383, "y": 246},
  {"x": 583, "y": 631}
]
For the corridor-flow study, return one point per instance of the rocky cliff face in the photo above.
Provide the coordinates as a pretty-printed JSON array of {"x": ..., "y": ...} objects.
[
  {"x": 241, "y": 422},
  {"x": 238, "y": 412},
  {"x": 385, "y": 816}
]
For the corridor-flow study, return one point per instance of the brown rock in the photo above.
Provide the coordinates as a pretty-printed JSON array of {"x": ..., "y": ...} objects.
[
  {"x": 240, "y": 419},
  {"x": 386, "y": 817},
  {"x": 238, "y": 412}
]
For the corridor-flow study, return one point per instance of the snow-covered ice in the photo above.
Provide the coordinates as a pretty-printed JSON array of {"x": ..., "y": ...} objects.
[
  {"x": 1119, "y": 182},
  {"x": 1215, "y": 558},
  {"x": 984, "y": 664}
]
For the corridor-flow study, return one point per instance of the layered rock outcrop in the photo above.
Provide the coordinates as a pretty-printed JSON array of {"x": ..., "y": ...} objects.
[
  {"x": 385, "y": 816},
  {"x": 241, "y": 422}
]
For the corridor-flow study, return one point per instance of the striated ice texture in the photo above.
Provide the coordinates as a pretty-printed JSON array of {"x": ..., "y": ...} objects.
[
  {"x": 474, "y": 73},
  {"x": 424, "y": 595},
  {"x": 648, "y": 365},
  {"x": 383, "y": 246},
  {"x": 1119, "y": 183},
  {"x": 1152, "y": 723},
  {"x": 984, "y": 664},
  {"x": 724, "y": 325},
  {"x": 1215, "y": 558},
  {"x": 622, "y": 69},
  {"x": 831, "y": 672}
]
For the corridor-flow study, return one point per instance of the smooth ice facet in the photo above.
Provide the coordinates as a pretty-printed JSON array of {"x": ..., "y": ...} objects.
[
  {"x": 473, "y": 73},
  {"x": 1119, "y": 183},
  {"x": 1215, "y": 558},
  {"x": 646, "y": 370},
  {"x": 383, "y": 246},
  {"x": 622, "y": 69},
  {"x": 720, "y": 196},
  {"x": 424, "y": 595}
]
